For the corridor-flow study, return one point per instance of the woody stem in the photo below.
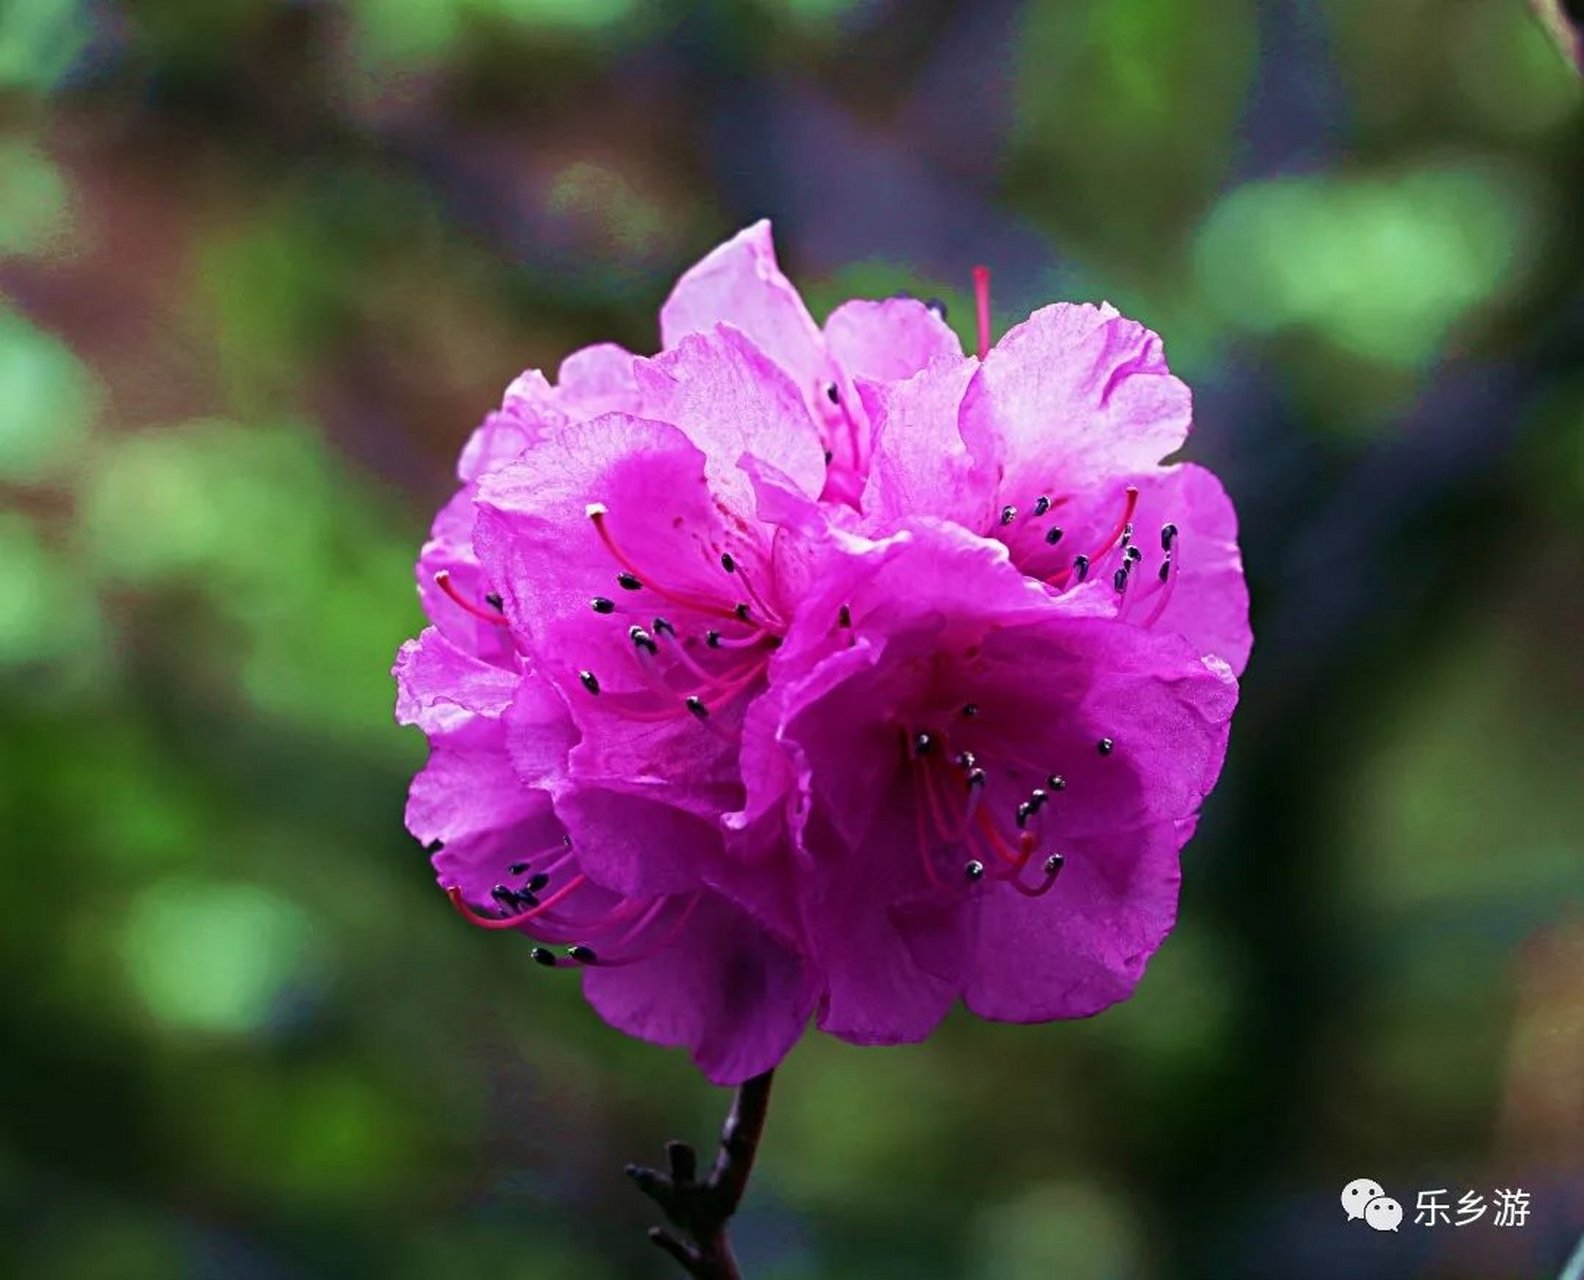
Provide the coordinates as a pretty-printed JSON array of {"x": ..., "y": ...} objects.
[{"x": 701, "y": 1210}]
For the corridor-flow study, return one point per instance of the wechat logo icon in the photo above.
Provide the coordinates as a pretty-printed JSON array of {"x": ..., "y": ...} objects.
[{"x": 1366, "y": 1199}]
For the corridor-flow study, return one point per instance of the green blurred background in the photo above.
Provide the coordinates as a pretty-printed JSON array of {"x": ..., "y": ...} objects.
[{"x": 264, "y": 264}]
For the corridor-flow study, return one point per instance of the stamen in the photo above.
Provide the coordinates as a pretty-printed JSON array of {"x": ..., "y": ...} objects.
[
  {"x": 1053, "y": 535},
  {"x": 976, "y": 795},
  {"x": 1052, "y": 868},
  {"x": 1008, "y": 514},
  {"x": 937, "y": 306},
  {"x": 925, "y": 861},
  {"x": 1119, "y": 579},
  {"x": 974, "y": 871},
  {"x": 1170, "y": 570},
  {"x": 602, "y": 604},
  {"x": 581, "y": 954},
  {"x": 970, "y": 709},
  {"x": 1028, "y": 816},
  {"x": 1056, "y": 782},
  {"x": 1168, "y": 534},
  {"x": 590, "y": 681},
  {"x": 642, "y": 640},
  {"x": 754, "y": 638},
  {"x": 948, "y": 831},
  {"x": 1014, "y": 858},
  {"x": 727, "y": 563},
  {"x": 1042, "y": 504},
  {"x": 696, "y": 705},
  {"x": 443, "y": 581},
  {"x": 545, "y": 956},
  {"x": 754, "y": 595},
  {"x": 647, "y": 918},
  {"x": 454, "y": 892},
  {"x": 1105, "y": 746},
  {"x": 679, "y": 651},
  {"x": 1081, "y": 563},
  {"x": 631, "y": 580},
  {"x": 1124, "y": 526},
  {"x": 833, "y": 392},
  {"x": 923, "y": 743},
  {"x": 981, "y": 279}
]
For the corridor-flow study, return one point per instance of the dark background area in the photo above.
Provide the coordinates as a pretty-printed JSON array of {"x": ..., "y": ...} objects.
[{"x": 263, "y": 265}]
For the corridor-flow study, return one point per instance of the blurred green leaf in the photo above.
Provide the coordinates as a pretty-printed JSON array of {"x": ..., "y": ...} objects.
[
  {"x": 1125, "y": 116},
  {"x": 1057, "y": 1229},
  {"x": 286, "y": 548},
  {"x": 35, "y": 206},
  {"x": 1565, "y": 27},
  {"x": 215, "y": 957},
  {"x": 50, "y": 402},
  {"x": 49, "y": 613},
  {"x": 1382, "y": 266},
  {"x": 40, "y": 40}
]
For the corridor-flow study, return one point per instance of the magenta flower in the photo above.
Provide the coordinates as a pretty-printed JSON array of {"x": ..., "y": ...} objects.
[
  {"x": 798, "y": 670},
  {"x": 662, "y": 955}
]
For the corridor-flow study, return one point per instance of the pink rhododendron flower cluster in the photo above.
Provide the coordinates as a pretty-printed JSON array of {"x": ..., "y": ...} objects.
[{"x": 830, "y": 672}]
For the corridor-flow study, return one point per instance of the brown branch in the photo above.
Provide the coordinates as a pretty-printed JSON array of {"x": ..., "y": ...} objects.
[{"x": 701, "y": 1210}]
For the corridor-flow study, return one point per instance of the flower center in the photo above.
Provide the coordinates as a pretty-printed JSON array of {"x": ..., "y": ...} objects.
[
  {"x": 958, "y": 822},
  {"x": 688, "y": 669},
  {"x": 596, "y": 928},
  {"x": 1031, "y": 538}
]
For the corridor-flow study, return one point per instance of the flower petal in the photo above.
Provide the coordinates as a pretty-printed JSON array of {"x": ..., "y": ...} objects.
[
  {"x": 634, "y": 845},
  {"x": 888, "y": 339},
  {"x": 628, "y": 697},
  {"x": 727, "y": 991},
  {"x": 731, "y": 400},
  {"x": 1209, "y": 601},
  {"x": 1082, "y": 946},
  {"x": 1074, "y": 395},
  {"x": 441, "y": 687},
  {"x": 919, "y": 464},
  {"x": 740, "y": 284}
]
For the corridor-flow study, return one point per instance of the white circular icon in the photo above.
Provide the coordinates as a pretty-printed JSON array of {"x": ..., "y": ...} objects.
[
  {"x": 1383, "y": 1213},
  {"x": 1358, "y": 1193}
]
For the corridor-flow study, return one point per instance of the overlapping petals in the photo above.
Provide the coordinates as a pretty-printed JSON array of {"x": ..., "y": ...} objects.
[
  {"x": 828, "y": 671},
  {"x": 953, "y": 695}
]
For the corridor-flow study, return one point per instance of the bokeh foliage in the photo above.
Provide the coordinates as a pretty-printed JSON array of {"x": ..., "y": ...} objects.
[{"x": 264, "y": 264}]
